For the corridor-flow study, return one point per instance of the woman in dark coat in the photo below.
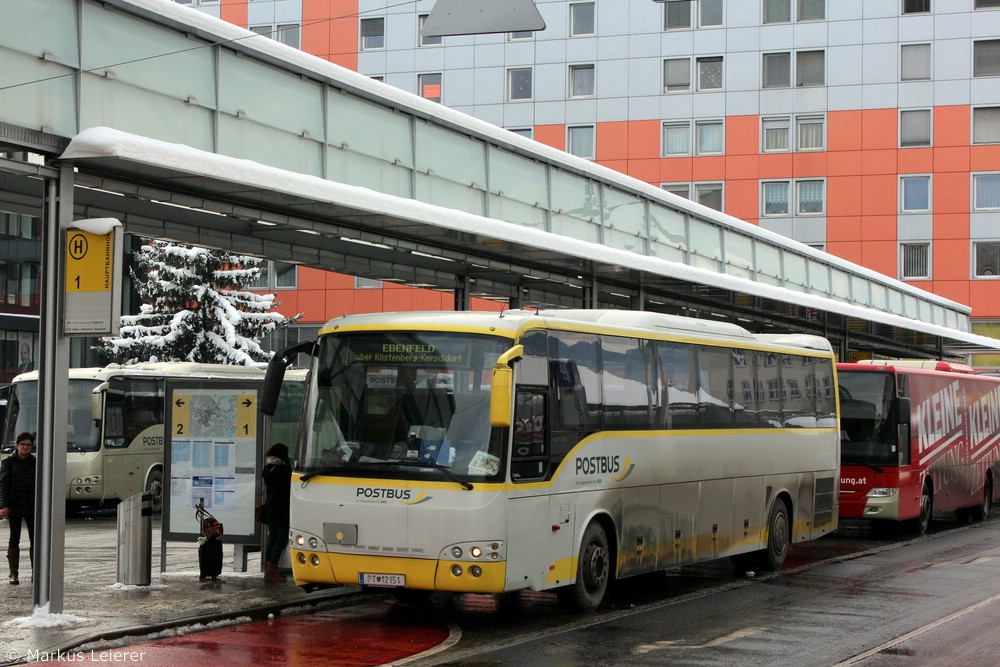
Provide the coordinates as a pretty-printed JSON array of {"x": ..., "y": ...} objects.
[
  {"x": 17, "y": 499},
  {"x": 277, "y": 475}
]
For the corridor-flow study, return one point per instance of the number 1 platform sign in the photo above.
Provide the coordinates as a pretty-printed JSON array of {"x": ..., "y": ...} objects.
[{"x": 93, "y": 260}]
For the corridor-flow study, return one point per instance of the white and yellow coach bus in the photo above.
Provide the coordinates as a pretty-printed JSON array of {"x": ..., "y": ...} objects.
[{"x": 554, "y": 450}]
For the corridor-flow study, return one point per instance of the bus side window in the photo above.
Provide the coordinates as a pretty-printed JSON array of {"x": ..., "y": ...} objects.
[{"x": 529, "y": 460}]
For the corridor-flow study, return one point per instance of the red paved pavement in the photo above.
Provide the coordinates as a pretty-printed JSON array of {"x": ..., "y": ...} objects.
[{"x": 340, "y": 638}]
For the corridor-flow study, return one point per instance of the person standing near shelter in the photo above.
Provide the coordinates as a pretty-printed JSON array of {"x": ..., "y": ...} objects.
[
  {"x": 17, "y": 500},
  {"x": 277, "y": 475}
]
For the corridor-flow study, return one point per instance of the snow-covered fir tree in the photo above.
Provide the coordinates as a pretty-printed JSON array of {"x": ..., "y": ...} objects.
[{"x": 195, "y": 307}]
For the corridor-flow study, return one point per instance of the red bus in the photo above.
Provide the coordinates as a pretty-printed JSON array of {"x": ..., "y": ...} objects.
[{"x": 917, "y": 437}]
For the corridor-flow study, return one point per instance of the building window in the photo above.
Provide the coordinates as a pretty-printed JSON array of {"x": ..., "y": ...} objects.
[
  {"x": 361, "y": 282},
  {"x": 676, "y": 75},
  {"x": 709, "y": 13},
  {"x": 709, "y": 73},
  {"x": 987, "y": 259},
  {"x": 429, "y": 86},
  {"x": 526, "y": 132},
  {"x": 914, "y": 261},
  {"x": 581, "y": 19},
  {"x": 986, "y": 57},
  {"x": 916, "y": 6},
  {"x": 777, "y": 70},
  {"x": 709, "y": 194},
  {"x": 915, "y": 62},
  {"x": 426, "y": 41},
  {"x": 519, "y": 84},
  {"x": 777, "y": 11},
  {"x": 288, "y": 34},
  {"x": 275, "y": 275},
  {"x": 987, "y": 254},
  {"x": 914, "y": 194},
  {"x": 676, "y": 139},
  {"x": 774, "y": 133},
  {"x": 709, "y": 137},
  {"x": 679, "y": 189},
  {"x": 580, "y": 141},
  {"x": 809, "y": 131},
  {"x": 986, "y": 191},
  {"x": 810, "y": 69},
  {"x": 987, "y": 4},
  {"x": 811, "y": 10},
  {"x": 581, "y": 80},
  {"x": 986, "y": 125},
  {"x": 519, "y": 35},
  {"x": 810, "y": 197},
  {"x": 774, "y": 198},
  {"x": 915, "y": 127},
  {"x": 677, "y": 15},
  {"x": 372, "y": 34}
]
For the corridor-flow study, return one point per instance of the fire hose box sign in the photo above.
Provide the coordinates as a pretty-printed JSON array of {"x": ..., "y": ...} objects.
[{"x": 92, "y": 295}]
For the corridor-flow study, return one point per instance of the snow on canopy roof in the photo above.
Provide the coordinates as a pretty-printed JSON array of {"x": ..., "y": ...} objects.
[{"x": 101, "y": 142}]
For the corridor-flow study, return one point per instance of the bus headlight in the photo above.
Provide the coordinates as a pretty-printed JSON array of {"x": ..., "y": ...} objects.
[
  {"x": 881, "y": 492},
  {"x": 472, "y": 551}
]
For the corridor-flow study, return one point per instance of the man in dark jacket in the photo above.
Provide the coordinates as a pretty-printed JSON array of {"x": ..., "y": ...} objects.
[
  {"x": 17, "y": 499},
  {"x": 277, "y": 474}
]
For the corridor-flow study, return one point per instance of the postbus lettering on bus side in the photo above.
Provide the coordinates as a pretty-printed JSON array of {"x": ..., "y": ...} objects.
[
  {"x": 598, "y": 465},
  {"x": 382, "y": 493},
  {"x": 152, "y": 441}
]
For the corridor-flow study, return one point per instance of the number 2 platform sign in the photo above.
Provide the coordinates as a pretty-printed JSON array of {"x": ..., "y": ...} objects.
[{"x": 93, "y": 260}]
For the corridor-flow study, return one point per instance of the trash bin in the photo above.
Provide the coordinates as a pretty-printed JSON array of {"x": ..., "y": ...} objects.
[{"x": 135, "y": 540}]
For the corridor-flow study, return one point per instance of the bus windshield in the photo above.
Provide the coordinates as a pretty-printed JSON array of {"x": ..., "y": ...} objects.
[
  {"x": 868, "y": 435},
  {"x": 399, "y": 404},
  {"x": 82, "y": 433}
]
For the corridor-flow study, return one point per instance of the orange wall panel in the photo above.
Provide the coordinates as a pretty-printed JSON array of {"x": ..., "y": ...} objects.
[
  {"x": 234, "y": 11},
  {"x": 851, "y": 251},
  {"x": 551, "y": 135},
  {"x": 843, "y": 132},
  {"x": 951, "y": 226},
  {"x": 645, "y": 170},
  {"x": 742, "y": 167},
  {"x": 952, "y": 159},
  {"x": 742, "y": 135},
  {"x": 775, "y": 165},
  {"x": 915, "y": 160},
  {"x": 878, "y": 228},
  {"x": 708, "y": 168},
  {"x": 643, "y": 139},
  {"x": 741, "y": 200},
  {"x": 878, "y": 195},
  {"x": 612, "y": 141},
  {"x": 951, "y": 260},
  {"x": 956, "y": 290},
  {"x": 952, "y": 126},
  {"x": 330, "y": 31},
  {"x": 676, "y": 170},
  {"x": 984, "y": 158},
  {"x": 879, "y": 129},
  {"x": 951, "y": 194},
  {"x": 809, "y": 164},
  {"x": 880, "y": 256},
  {"x": 878, "y": 162},
  {"x": 844, "y": 163},
  {"x": 843, "y": 196}
]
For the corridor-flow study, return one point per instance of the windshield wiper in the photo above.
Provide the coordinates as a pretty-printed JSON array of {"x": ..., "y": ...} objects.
[
  {"x": 428, "y": 464},
  {"x": 316, "y": 473}
]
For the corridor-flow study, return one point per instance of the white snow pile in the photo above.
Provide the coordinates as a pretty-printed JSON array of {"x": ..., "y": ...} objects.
[
  {"x": 41, "y": 617},
  {"x": 119, "y": 586}
]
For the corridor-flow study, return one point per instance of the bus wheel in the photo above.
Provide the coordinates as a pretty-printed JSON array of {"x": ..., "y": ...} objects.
[
  {"x": 773, "y": 556},
  {"x": 154, "y": 486},
  {"x": 920, "y": 524},
  {"x": 980, "y": 511},
  {"x": 592, "y": 572}
]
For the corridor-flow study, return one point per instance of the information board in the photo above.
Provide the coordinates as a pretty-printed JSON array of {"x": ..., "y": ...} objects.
[{"x": 212, "y": 455}]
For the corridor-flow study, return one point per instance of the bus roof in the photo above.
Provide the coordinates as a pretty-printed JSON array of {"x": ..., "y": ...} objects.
[
  {"x": 172, "y": 369},
  {"x": 926, "y": 364},
  {"x": 510, "y": 322}
]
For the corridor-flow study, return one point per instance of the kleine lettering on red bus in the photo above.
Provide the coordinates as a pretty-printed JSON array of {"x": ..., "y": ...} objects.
[{"x": 938, "y": 414}]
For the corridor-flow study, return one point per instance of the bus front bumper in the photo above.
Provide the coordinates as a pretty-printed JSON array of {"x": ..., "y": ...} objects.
[{"x": 316, "y": 567}]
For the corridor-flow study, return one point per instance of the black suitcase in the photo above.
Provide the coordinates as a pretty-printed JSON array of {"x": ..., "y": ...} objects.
[{"x": 209, "y": 560}]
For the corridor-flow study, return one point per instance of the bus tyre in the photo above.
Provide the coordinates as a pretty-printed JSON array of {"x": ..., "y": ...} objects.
[
  {"x": 979, "y": 512},
  {"x": 773, "y": 555},
  {"x": 154, "y": 486},
  {"x": 920, "y": 524},
  {"x": 593, "y": 570}
]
